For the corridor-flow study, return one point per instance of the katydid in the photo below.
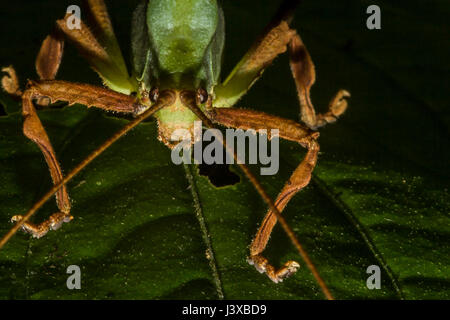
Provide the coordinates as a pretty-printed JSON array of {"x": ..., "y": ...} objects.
[{"x": 176, "y": 59}]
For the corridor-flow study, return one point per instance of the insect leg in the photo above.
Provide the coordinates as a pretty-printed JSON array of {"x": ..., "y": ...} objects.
[
  {"x": 277, "y": 38},
  {"x": 290, "y": 130},
  {"x": 304, "y": 75},
  {"x": 272, "y": 42},
  {"x": 49, "y": 57},
  {"x": 260, "y": 55},
  {"x": 33, "y": 129},
  {"x": 47, "y": 64},
  {"x": 99, "y": 47}
]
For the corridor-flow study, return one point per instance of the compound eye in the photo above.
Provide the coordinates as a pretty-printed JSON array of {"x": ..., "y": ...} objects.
[
  {"x": 154, "y": 94},
  {"x": 202, "y": 96}
]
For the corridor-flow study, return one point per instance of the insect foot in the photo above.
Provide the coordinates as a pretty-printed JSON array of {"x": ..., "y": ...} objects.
[
  {"x": 262, "y": 265},
  {"x": 339, "y": 103},
  {"x": 10, "y": 82},
  {"x": 53, "y": 223}
]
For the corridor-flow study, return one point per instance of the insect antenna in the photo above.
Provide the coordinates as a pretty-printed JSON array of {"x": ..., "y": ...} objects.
[
  {"x": 191, "y": 104},
  {"x": 164, "y": 100}
]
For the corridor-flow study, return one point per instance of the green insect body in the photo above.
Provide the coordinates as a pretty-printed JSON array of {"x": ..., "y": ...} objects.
[{"x": 177, "y": 44}]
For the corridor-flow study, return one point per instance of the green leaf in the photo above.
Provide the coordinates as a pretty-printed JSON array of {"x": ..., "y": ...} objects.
[{"x": 379, "y": 195}]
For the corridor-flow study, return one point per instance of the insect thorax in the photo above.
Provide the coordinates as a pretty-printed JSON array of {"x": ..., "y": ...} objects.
[
  {"x": 178, "y": 44},
  {"x": 175, "y": 121}
]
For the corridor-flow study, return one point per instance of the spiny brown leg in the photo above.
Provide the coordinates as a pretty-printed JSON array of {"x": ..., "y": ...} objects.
[
  {"x": 277, "y": 38},
  {"x": 298, "y": 180},
  {"x": 48, "y": 61},
  {"x": 39, "y": 230},
  {"x": 103, "y": 53},
  {"x": 47, "y": 64},
  {"x": 99, "y": 46},
  {"x": 304, "y": 75},
  {"x": 290, "y": 130},
  {"x": 44, "y": 92},
  {"x": 73, "y": 93},
  {"x": 49, "y": 57}
]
